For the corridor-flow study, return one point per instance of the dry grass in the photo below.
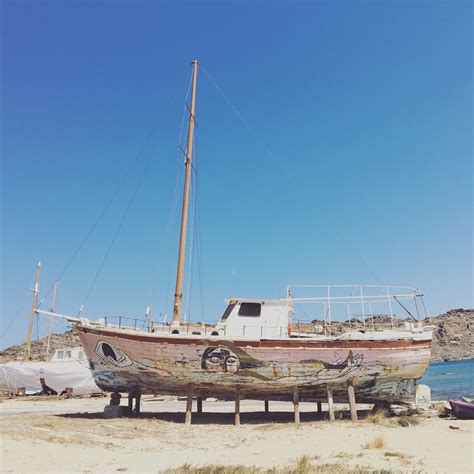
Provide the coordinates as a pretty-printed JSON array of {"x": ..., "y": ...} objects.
[
  {"x": 380, "y": 417},
  {"x": 302, "y": 466},
  {"x": 376, "y": 443},
  {"x": 405, "y": 458},
  {"x": 406, "y": 421}
]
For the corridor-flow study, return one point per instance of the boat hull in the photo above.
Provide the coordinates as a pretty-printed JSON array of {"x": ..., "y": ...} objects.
[
  {"x": 462, "y": 410},
  {"x": 148, "y": 363}
]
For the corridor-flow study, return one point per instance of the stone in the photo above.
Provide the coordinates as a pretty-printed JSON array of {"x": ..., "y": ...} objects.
[
  {"x": 116, "y": 411},
  {"x": 422, "y": 397}
]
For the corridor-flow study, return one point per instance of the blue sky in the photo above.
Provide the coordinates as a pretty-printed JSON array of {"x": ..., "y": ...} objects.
[{"x": 354, "y": 165}]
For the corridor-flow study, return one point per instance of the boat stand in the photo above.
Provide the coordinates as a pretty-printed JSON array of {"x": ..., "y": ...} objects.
[
  {"x": 134, "y": 410},
  {"x": 237, "y": 407},
  {"x": 189, "y": 406},
  {"x": 352, "y": 401},
  {"x": 330, "y": 405},
  {"x": 296, "y": 405}
]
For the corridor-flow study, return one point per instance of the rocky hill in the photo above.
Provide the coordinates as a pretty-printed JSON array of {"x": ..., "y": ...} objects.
[
  {"x": 453, "y": 338},
  {"x": 38, "y": 347}
]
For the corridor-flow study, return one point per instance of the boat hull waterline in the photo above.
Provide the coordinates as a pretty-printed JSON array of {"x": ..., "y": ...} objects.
[{"x": 148, "y": 363}]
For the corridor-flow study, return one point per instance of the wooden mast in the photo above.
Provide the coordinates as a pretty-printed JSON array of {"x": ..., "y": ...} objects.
[
  {"x": 178, "y": 294},
  {"x": 33, "y": 311}
]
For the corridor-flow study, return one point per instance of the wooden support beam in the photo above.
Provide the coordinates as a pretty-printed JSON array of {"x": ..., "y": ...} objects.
[
  {"x": 130, "y": 403},
  {"x": 237, "y": 406},
  {"x": 352, "y": 401},
  {"x": 199, "y": 404},
  {"x": 267, "y": 406},
  {"x": 137, "y": 404},
  {"x": 296, "y": 405},
  {"x": 189, "y": 406},
  {"x": 320, "y": 407},
  {"x": 330, "y": 405}
]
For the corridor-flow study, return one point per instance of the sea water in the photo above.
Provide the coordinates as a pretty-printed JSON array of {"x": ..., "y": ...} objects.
[{"x": 450, "y": 379}]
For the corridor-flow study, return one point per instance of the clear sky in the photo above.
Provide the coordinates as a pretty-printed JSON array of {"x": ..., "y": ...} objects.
[{"x": 354, "y": 164}]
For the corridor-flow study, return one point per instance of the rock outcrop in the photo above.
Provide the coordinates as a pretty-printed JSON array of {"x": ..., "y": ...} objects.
[{"x": 453, "y": 336}]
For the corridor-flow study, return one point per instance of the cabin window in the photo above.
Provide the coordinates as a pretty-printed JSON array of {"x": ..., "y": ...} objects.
[
  {"x": 60, "y": 355},
  {"x": 250, "y": 310},
  {"x": 227, "y": 311},
  {"x": 68, "y": 355}
]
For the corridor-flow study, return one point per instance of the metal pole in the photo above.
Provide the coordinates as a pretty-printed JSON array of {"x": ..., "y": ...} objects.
[
  {"x": 178, "y": 295},
  {"x": 33, "y": 311},
  {"x": 362, "y": 302}
]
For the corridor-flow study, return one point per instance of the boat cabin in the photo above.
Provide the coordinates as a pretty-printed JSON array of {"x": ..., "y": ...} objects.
[
  {"x": 255, "y": 318},
  {"x": 68, "y": 354}
]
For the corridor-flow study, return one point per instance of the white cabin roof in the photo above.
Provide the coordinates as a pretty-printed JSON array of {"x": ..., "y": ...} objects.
[{"x": 268, "y": 302}]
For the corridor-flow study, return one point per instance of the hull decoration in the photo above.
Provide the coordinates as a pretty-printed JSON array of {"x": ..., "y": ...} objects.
[{"x": 266, "y": 369}]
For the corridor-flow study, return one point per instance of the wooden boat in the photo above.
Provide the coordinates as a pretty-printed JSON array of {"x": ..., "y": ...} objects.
[
  {"x": 462, "y": 410},
  {"x": 256, "y": 349}
]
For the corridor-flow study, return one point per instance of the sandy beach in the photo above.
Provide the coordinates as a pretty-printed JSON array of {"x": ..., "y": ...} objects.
[{"x": 72, "y": 436}]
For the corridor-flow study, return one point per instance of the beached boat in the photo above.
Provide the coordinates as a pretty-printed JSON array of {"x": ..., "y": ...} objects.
[
  {"x": 257, "y": 350},
  {"x": 462, "y": 410}
]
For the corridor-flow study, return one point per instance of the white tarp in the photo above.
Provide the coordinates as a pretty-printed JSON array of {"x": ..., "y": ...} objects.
[{"x": 57, "y": 376}]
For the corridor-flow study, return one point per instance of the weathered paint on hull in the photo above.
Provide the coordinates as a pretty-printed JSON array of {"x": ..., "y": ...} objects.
[{"x": 266, "y": 369}]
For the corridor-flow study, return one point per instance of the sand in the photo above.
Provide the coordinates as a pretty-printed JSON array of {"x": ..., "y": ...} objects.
[{"x": 71, "y": 436}]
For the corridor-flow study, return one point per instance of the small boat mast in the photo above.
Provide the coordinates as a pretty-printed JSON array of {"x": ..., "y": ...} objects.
[{"x": 178, "y": 294}]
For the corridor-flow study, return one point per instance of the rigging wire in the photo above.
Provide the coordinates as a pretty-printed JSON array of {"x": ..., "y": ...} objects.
[
  {"x": 290, "y": 178},
  {"x": 103, "y": 211},
  {"x": 117, "y": 231},
  {"x": 19, "y": 309}
]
